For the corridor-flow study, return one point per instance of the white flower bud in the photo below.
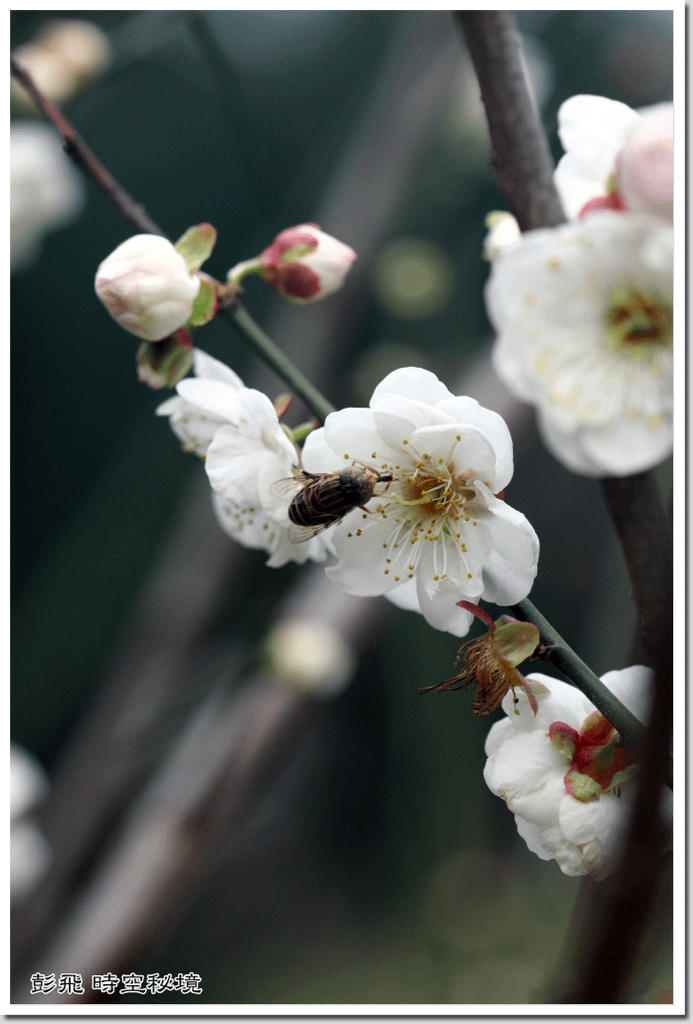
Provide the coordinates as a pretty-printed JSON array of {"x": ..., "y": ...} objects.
[{"x": 146, "y": 287}]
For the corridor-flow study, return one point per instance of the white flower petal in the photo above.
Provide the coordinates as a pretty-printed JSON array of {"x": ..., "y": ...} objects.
[
  {"x": 317, "y": 456},
  {"x": 512, "y": 565},
  {"x": 527, "y": 772},
  {"x": 353, "y": 437},
  {"x": 467, "y": 411},
  {"x": 533, "y": 835},
  {"x": 412, "y": 382},
  {"x": 206, "y": 367},
  {"x": 440, "y": 610}
]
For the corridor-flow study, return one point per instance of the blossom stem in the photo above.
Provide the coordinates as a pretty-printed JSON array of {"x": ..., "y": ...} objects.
[
  {"x": 271, "y": 354},
  {"x": 633, "y": 733}
]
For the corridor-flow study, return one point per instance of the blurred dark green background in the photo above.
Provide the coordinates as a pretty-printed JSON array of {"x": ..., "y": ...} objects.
[{"x": 418, "y": 888}]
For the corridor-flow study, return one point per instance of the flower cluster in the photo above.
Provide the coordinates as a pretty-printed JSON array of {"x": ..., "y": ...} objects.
[
  {"x": 564, "y": 773},
  {"x": 584, "y": 312},
  {"x": 437, "y": 528}
]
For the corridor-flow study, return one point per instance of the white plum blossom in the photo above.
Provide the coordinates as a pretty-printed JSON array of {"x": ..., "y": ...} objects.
[
  {"x": 563, "y": 772},
  {"x": 615, "y": 157},
  {"x": 439, "y": 531},
  {"x": 246, "y": 451},
  {"x": 303, "y": 263},
  {"x": 146, "y": 286},
  {"x": 583, "y": 314}
]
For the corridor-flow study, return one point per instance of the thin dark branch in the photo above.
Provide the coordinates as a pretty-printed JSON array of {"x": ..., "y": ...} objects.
[{"x": 77, "y": 149}]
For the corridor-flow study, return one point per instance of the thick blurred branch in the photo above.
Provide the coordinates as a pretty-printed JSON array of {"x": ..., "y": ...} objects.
[
  {"x": 521, "y": 157},
  {"x": 524, "y": 172}
]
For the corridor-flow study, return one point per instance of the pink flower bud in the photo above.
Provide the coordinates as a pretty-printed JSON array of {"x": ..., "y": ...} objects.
[
  {"x": 146, "y": 287},
  {"x": 646, "y": 165},
  {"x": 305, "y": 265}
]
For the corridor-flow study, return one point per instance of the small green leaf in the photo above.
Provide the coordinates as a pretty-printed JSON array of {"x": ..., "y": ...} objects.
[
  {"x": 205, "y": 305},
  {"x": 196, "y": 245}
]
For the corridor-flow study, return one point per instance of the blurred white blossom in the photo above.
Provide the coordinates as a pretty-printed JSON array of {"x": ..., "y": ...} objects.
[
  {"x": 310, "y": 657},
  {"x": 564, "y": 774},
  {"x": 46, "y": 191},
  {"x": 615, "y": 157},
  {"x": 645, "y": 171},
  {"x": 439, "y": 531},
  {"x": 30, "y": 853},
  {"x": 583, "y": 314},
  {"x": 61, "y": 59}
]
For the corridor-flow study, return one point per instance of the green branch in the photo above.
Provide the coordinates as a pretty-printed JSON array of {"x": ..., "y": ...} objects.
[
  {"x": 559, "y": 654},
  {"x": 271, "y": 354}
]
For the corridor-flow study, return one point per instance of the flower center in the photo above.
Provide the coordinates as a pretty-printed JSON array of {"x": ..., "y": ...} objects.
[
  {"x": 434, "y": 490},
  {"x": 637, "y": 322}
]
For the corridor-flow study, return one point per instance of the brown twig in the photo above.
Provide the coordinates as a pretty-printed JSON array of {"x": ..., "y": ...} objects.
[
  {"x": 77, "y": 149},
  {"x": 525, "y": 175}
]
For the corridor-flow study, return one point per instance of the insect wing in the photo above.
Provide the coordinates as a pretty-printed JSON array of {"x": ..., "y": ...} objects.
[
  {"x": 298, "y": 534},
  {"x": 287, "y": 487}
]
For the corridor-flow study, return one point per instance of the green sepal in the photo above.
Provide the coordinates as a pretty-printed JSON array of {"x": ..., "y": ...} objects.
[
  {"x": 624, "y": 776},
  {"x": 581, "y": 786},
  {"x": 196, "y": 245},
  {"x": 301, "y": 432},
  {"x": 205, "y": 304},
  {"x": 563, "y": 740},
  {"x": 515, "y": 641}
]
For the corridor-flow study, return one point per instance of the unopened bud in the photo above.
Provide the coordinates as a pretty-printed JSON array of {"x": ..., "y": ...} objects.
[
  {"x": 302, "y": 263},
  {"x": 147, "y": 287},
  {"x": 161, "y": 364}
]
